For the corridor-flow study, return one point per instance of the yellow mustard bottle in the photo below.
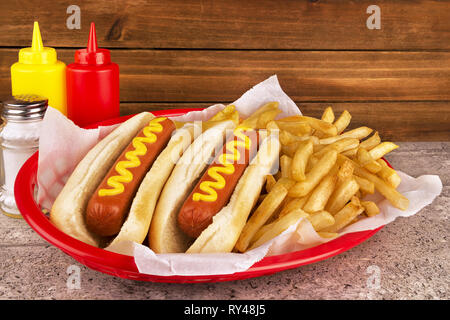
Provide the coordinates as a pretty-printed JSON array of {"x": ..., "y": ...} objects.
[{"x": 39, "y": 72}]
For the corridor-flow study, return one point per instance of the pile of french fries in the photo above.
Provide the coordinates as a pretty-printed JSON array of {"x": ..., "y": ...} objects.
[{"x": 325, "y": 173}]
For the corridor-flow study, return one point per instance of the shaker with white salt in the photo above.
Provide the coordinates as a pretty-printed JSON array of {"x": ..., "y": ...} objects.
[{"x": 19, "y": 139}]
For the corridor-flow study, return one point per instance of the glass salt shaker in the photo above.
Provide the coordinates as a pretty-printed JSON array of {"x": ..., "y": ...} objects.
[{"x": 19, "y": 139}]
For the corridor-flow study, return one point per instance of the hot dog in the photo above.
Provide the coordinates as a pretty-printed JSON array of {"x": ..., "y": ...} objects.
[
  {"x": 214, "y": 189},
  {"x": 70, "y": 209},
  {"x": 109, "y": 205}
]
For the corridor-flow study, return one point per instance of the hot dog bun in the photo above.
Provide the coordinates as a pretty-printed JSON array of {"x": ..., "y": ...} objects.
[
  {"x": 69, "y": 208},
  {"x": 165, "y": 235}
]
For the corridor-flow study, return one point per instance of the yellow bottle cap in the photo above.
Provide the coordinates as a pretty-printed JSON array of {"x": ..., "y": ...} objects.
[{"x": 37, "y": 53}]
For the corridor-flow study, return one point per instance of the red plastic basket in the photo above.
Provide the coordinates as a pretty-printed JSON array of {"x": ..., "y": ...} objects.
[{"x": 123, "y": 266}]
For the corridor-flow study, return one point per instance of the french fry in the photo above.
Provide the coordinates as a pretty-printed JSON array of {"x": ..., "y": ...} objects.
[
  {"x": 328, "y": 235},
  {"x": 327, "y": 128},
  {"x": 274, "y": 229},
  {"x": 272, "y": 126},
  {"x": 355, "y": 219},
  {"x": 276, "y": 214},
  {"x": 300, "y": 159},
  {"x": 345, "y": 172},
  {"x": 261, "y": 231},
  {"x": 227, "y": 113},
  {"x": 321, "y": 220},
  {"x": 290, "y": 148},
  {"x": 262, "y": 213},
  {"x": 343, "y": 121},
  {"x": 358, "y": 133},
  {"x": 285, "y": 182},
  {"x": 388, "y": 174},
  {"x": 270, "y": 182},
  {"x": 346, "y": 215},
  {"x": 296, "y": 128},
  {"x": 313, "y": 177},
  {"x": 318, "y": 147},
  {"x": 340, "y": 145},
  {"x": 315, "y": 140},
  {"x": 382, "y": 149},
  {"x": 328, "y": 115},
  {"x": 365, "y": 185},
  {"x": 320, "y": 195},
  {"x": 390, "y": 193},
  {"x": 277, "y": 175},
  {"x": 285, "y": 165},
  {"x": 266, "y": 117},
  {"x": 334, "y": 170},
  {"x": 312, "y": 162},
  {"x": 287, "y": 138},
  {"x": 371, "y": 142},
  {"x": 350, "y": 153},
  {"x": 341, "y": 195},
  {"x": 252, "y": 121},
  {"x": 293, "y": 204},
  {"x": 370, "y": 208},
  {"x": 365, "y": 160},
  {"x": 274, "y": 217}
]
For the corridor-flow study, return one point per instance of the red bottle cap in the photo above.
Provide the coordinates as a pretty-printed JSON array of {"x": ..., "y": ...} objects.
[{"x": 92, "y": 55}]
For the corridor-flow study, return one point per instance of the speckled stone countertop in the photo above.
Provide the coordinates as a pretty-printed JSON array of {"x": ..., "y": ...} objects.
[{"x": 408, "y": 259}]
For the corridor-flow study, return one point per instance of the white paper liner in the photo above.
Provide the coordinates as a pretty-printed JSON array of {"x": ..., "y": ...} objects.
[{"x": 63, "y": 145}]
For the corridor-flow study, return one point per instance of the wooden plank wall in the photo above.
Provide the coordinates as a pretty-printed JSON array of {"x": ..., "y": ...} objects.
[{"x": 176, "y": 54}]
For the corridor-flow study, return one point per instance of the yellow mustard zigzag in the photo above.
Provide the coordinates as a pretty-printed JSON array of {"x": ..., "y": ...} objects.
[
  {"x": 226, "y": 159},
  {"x": 125, "y": 176}
]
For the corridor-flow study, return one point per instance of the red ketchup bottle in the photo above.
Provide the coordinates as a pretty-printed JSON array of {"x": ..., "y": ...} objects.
[{"x": 92, "y": 85}]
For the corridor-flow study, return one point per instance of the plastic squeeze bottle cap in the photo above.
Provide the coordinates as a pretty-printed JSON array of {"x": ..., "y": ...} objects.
[
  {"x": 92, "y": 55},
  {"x": 37, "y": 53}
]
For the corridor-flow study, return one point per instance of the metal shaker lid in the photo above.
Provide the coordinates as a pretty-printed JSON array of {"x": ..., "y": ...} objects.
[{"x": 24, "y": 107}]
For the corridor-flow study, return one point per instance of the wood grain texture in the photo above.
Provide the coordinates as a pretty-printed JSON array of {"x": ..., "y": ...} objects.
[
  {"x": 395, "y": 121},
  {"x": 233, "y": 24},
  {"x": 210, "y": 75},
  {"x": 196, "y": 53}
]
